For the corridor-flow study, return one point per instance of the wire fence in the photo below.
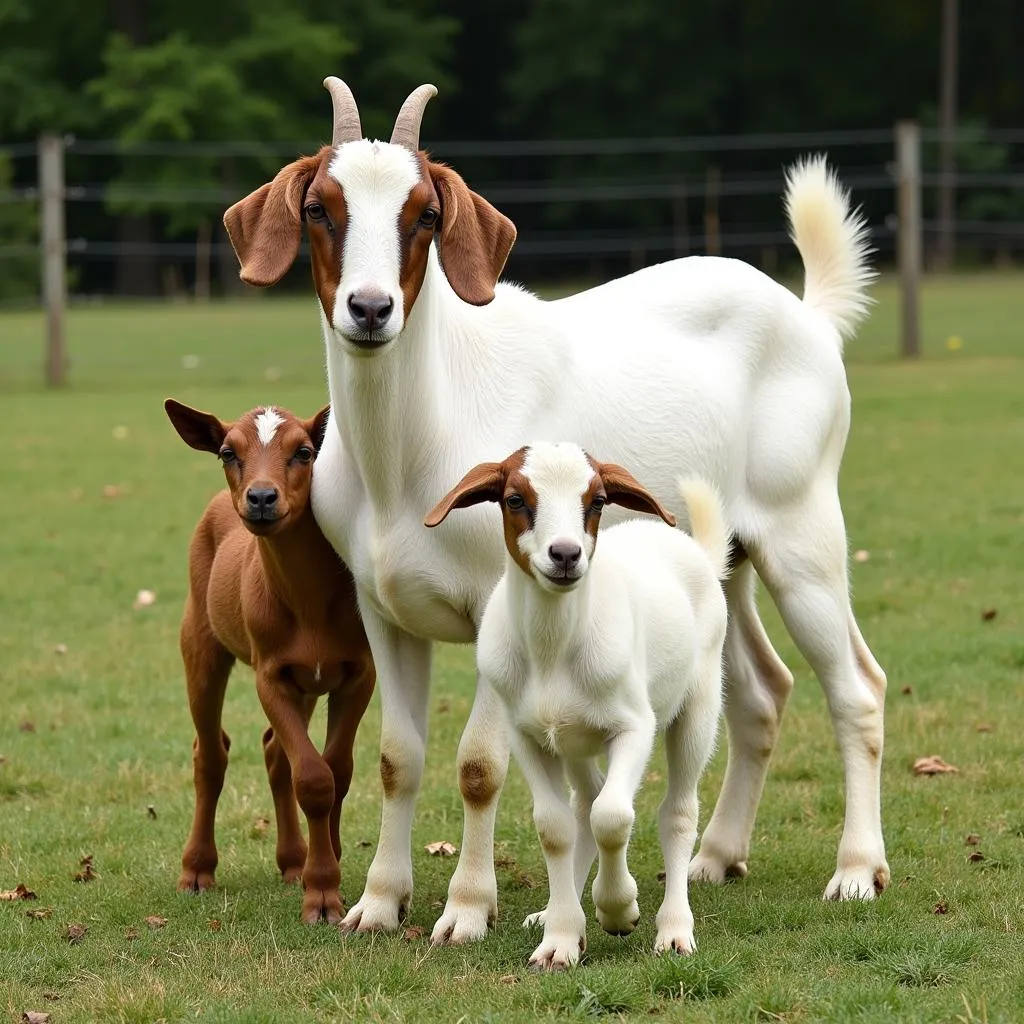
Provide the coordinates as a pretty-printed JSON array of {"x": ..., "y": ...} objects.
[{"x": 145, "y": 219}]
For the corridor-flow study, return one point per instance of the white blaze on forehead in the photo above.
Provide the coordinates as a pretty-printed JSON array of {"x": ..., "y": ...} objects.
[
  {"x": 267, "y": 423},
  {"x": 560, "y": 475},
  {"x": 376, "y": 178}
]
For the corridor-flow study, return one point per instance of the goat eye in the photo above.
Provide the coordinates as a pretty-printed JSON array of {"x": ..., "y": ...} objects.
[
  {"x": 304, "y": 454},
  {"x": 514, "y": 503},
  {"x": 597, "y": 504},
  {"x": 428, "y": 218},
  {"x": 315, "y": 211},
  {"x": 227, "y": 455}
]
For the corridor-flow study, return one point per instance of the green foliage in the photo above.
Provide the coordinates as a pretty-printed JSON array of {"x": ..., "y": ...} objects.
[{"x": 19, "y": 237}]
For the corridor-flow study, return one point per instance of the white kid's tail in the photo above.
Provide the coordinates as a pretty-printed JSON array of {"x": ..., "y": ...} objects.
[
  {"x": 834, "y": 243},
  {"x": 707, "y": 522}
]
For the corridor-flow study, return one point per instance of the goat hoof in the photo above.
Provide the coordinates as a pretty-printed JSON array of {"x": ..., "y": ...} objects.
[
  {"x": 322, "y": 905},
  {"x": 195, "y": 881}
]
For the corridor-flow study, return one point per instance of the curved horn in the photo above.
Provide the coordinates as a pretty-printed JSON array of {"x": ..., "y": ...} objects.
[
  {"x": 407, "y": 124},
  {"x": 346, "y": 114}
]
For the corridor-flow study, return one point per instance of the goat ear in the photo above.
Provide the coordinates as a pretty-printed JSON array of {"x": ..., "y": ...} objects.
[
  {"x": 622, "y": 488},
  {"x": 475, "y": 239},
  {"x": 317, "y": 427},
  {"x": 265, "y": 228},
  {"x": 482, "y": 483},
  {"x": 199, "y": 430}
]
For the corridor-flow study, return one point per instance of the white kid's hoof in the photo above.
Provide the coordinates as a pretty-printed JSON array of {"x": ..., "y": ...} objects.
[{"x": 861, "y": 883}]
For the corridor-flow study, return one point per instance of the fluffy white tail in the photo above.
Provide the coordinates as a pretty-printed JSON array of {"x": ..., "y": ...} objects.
[
  {"x": 707, "y": 522},
  {"x": 834, "y": 243}
]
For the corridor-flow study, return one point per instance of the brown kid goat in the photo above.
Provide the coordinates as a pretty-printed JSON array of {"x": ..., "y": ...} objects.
[{"x": 267, "y": 589}]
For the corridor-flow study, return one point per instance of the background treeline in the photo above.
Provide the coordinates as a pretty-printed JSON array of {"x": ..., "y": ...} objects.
[{"x": 142, "y": 74}]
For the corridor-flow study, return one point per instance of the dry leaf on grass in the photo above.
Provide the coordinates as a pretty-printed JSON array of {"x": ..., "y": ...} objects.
[
  {"x": 524, "y": 881},
  {"x": 154, "y": 922},
  {"x": 413, "y": 933},
  {"x": 88, "y": 872},
  {"x": 151, "y": 812},
  {"x": 260, "y": 827},
  {"x": 41, "y": 914},
  {"x": 975, "y": 856},
  {"x": 441, "y": 849},
  {"x": 60, "y": 649},
  {"x": 27, "y": 726},
  {"x": 75, "y": 933},
  {"x": 973, "y": 839},
  {"x": 34, "y": 1017},
  {"x": 907, "y": 690},
  {"x": 861, "y": 555},
  {"x": 143, "y": 599},
  {"x": 214, "y": 924},
  {"x": 19, "y": 892},
  {"x": 363, "y": 843},
  {"x": 131, "y": 934},
  {"x": 984, "y": 727},
  {"x": 111, "y": 491},
  {"x": 933, "y": 765},
  {"x": 942, "y": 907},
  {"x": 509, "y": 979},
  {"x": 989, "y": 614}
]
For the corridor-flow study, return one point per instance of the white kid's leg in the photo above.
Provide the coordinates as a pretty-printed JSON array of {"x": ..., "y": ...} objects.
[
  {"x": 611, "y": 820},
  {"x": 403, "y": 672},
  {"x": 689, "y": 743},
  {"x": 758, "y": 685},
  {"x": 565, "y": 924},
  {"x": 805, "y": 569},
  {"x": 482, "y": 766}
]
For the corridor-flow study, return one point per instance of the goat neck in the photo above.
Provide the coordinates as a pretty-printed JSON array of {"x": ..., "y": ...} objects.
[{"x": 300, "y": 566}]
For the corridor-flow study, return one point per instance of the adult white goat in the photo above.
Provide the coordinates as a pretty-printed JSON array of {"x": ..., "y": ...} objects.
[{"x": 702, "y": 367}]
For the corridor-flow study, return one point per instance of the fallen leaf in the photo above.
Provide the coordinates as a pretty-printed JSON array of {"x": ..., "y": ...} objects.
[
  {"x": 3, "y": 759},
  {"x": 39, "y": 915},
  {"x": 907, "y": 690},
  {"x": 214, "y": 924},
  {"x": 364, "y": 843},
  {"x": 88, "y": 872},
  {"x": 932, "y": 765},
  {"x": 75, "y": 933},
  {"x": 989, "y": 614},
  {"x": 524, "y": 881},
  {"x": 509, "y": 979},
  {"x": 259, "y": 827},
  {"x": 151, "y": 812},
  {"x": 654, "y": 777},
  {"x": 51, "y": 997},
  {"x": 154, "y": 922},
  {"x": 942, "y": 907},
  {"x": 19, "y": 892},
  {"x": 131, "y": 934},
  {"x": 143, "y": 599},
  {"x": 444, "y": 706},
  {"x": 27, "y": 726},
  {"x": 984, "y": 727},
  {"x": 861, "y": 555},
  {"x": 441, "y": 848},
  {"x": 413, "y": 933},
  {"x": 975, "y": 856},
  {"x": 111, "y": 491},
  {"x": 60, "y": 649},
  {"x": 35, "y": 1017},
  {"x": 661, "y": 876},
  {"x": 973, "y": 839}
]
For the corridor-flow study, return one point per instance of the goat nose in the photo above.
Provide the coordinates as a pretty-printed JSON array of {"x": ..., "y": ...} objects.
[
  {"x": 370, "y": 310},
  {"x": 565, "y": 553},
  {"x": 260, "y": 498}
]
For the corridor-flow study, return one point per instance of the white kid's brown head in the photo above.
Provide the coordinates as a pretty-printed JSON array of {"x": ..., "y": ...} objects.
[
  {"x": 371, "y": 210},
  {"x": 551, "y": 498},
  {"x": 267, "y": 455}
]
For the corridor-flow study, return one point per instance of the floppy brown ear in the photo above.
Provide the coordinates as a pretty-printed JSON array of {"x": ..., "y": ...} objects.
[
  {"x": 475, "y": 239},
  {"x": 199, "y": 430},
  {"x": 317, "y": 427},
  {"x": 265, "y": 227},
  {"x": 622, "y": 488},
  {"x": 482, "y": 483}
]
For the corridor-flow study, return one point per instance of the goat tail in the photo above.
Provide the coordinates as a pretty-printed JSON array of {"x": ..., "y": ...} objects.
[
  {"x": 834, "y": 242},
  {"x": 707, "y": 522}
]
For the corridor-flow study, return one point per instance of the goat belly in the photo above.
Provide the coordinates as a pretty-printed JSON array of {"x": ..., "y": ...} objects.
[{"x": 560, "y": 725}]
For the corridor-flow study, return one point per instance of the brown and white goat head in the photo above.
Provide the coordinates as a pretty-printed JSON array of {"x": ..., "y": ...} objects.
[
  {"x": 267, "y": 455},
  {"x": 551, "y": 498},
  {"x": 372, "y": 210}
]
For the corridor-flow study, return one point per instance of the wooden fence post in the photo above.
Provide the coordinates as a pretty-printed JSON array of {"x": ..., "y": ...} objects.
[
  {"x": 908, "y": 238},
  {"x": 54, "y": 252}
]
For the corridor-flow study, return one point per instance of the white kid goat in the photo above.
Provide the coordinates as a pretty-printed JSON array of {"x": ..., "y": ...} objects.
[
  {"x": 702, "y": 367},
  {"x": 595, "y": 653}
]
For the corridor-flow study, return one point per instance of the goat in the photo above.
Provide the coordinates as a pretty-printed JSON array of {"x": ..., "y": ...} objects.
[
  {"x": 267, "y": 589},
  {"x": 593, "y": 655},
  {"x": 702, "y": 366}
]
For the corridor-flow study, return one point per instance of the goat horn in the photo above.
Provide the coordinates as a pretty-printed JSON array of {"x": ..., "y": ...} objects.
[
  {"x": 407, "y": 124},
  {"x": 346, "y": 114}
]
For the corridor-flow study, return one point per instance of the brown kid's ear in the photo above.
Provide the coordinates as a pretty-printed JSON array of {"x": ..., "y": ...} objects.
[
  {"x": 265, "y": 228},
  {"x": 317, "y": 427},
  {"x": 622, "y": 488},
  {"x": 199, "y": 430},
  {"x": 475, "y": 239},
  {"x": 482, "y": 483}
]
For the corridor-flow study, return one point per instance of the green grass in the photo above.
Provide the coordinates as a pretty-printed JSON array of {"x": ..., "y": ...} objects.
[{"x": 933, "y": 492}]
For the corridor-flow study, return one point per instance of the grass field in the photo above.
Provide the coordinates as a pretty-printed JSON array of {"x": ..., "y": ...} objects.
[{"x": 94, "y": 730}]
